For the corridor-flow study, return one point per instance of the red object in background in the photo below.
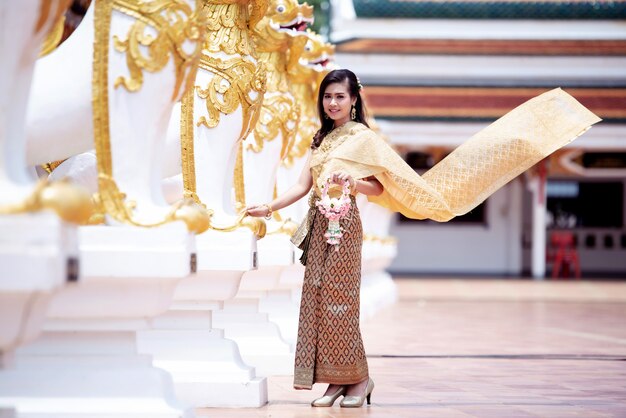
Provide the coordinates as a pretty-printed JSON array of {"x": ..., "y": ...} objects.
[{"x": 563, "y": 254}]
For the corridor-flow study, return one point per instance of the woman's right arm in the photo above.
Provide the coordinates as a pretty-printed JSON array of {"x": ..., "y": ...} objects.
[{"x": 295, "y": 193}]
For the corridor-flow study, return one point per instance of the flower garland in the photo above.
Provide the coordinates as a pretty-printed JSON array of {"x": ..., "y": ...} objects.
[{"x": 334, "y": 208}]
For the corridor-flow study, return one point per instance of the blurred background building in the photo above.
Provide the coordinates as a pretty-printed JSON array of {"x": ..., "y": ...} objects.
[{"x": 436, "y": 72}]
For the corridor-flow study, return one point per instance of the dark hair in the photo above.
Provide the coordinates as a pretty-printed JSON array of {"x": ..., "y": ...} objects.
[{"x": 338, "y": 76}]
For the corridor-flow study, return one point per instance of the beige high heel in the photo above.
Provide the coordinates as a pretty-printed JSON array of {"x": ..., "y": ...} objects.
[
  {"x": 357, "y": 401},
  {"x": 329, "y": 400}
]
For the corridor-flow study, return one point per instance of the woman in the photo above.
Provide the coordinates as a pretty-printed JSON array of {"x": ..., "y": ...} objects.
[
  {"x": 329, "y": 347},
  {"x": 346, "y": 152}
]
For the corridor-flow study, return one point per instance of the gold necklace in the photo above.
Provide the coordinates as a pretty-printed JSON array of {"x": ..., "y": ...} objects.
[{"x": 329, "y": 140}]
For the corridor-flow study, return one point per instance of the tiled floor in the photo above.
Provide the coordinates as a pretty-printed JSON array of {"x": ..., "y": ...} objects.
[{"x": 484, "y": 348}]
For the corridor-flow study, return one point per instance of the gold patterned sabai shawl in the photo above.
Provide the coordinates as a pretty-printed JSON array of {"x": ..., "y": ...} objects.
[{"x": 468, "y": 175}]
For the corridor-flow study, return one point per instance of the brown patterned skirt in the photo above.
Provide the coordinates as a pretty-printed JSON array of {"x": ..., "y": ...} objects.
[{"x": 330, "y": 347}]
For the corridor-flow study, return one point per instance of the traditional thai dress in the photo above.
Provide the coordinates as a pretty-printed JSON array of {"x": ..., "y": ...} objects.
[{"x": 329, "y": 347}]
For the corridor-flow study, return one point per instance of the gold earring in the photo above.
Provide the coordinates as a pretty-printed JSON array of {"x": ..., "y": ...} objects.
[{"x": 353, "y": 113}]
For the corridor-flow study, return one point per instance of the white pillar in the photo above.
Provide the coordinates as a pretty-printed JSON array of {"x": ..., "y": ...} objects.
[{"x": 537, "y": 186}]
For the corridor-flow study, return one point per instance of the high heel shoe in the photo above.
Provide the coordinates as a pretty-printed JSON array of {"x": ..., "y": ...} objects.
[
  {"x": 329, "y": 400},
  {"x": 357, "y": 401}
]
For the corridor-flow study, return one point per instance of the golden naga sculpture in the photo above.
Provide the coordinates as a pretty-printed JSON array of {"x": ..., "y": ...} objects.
[
  {"x": 314, "y": 63},
  {"x": 280, "y": 38},
  {"x": 162, "y": 30},
  {"x": 237, "y": 80}
]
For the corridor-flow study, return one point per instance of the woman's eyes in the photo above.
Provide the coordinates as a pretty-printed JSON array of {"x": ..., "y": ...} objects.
[{"x": 337, "y": 97}]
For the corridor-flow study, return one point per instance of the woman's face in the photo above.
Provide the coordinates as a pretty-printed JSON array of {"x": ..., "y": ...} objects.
[{"x": 338, "y": 103}]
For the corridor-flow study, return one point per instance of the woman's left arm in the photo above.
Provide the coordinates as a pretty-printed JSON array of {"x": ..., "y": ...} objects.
[{"x": 368, "y": 186}]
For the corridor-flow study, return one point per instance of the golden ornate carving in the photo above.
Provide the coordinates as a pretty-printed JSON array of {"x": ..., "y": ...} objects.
[
  {"x": 233, "y": 81},
  {"x": 256, "y": 225},
  {"x": 70, "y": 202},
  {"x": 229, "y": 25},
  {"x": 50, "y": 167},
  {"x": 279, "y": 114},
  {"x": 174, "y": 23},
  {"x": 110, "y": 199},
  {"x": 312, "y": 65},
  {"x": 278, "y": 44}
]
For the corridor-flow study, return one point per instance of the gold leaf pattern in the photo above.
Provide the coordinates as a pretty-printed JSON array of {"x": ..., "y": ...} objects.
[
  {"x": 230, "y": 88},
  {"x": 304, "y": 78},
  {"x": 279, "y": 114},
  {"x": 175, "y": 23}
]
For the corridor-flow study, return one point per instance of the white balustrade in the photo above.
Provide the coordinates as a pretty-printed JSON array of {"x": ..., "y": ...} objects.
[
  {"x": 38, "y": 250},
  {"x": 128, "y": 274},
  {"x": 207, "y": 368}
]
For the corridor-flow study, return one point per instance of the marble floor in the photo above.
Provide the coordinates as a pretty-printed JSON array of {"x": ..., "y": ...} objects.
[{"x": 484, "y": 348}]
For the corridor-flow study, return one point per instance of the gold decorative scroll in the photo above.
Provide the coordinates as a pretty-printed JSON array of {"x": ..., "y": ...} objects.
[
  {"x": 227, "y": 27},
  {"x": 50, "y": 167},
  {"x": 257, "y": 8},
  {"x": 175, "y": 23},
  {"x": 279, "y": 114},
  {"x": 304, "y": 75},
  {"x": 256, "y": 225},
  {"x": 230, "y": 87},
  {"x": 109, "y": 198},
  {"x": 278, "y": 36}
]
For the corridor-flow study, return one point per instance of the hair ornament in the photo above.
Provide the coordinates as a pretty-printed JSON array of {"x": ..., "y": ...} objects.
[{"x": 358, "y": 83}]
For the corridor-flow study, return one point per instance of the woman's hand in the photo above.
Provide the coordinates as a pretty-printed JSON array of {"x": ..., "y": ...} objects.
[
  {"x": 339, "y": 177},
  {"x": 259, "y": 211}
]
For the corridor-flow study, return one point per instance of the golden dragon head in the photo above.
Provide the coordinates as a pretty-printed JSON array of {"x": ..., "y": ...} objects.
[
  {"x": 315, "y": 56},
  {"x": 284, "y": 20}
]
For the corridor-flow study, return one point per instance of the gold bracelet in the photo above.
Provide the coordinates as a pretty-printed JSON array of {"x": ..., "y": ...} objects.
[{"x": 269, "y": 211}]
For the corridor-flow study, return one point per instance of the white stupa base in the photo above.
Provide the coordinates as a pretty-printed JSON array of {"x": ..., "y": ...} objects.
[
  {"x": 38, "y": 255},
  {"x": 87, "y": 374},
  {"x": 85, "y": 363},
  {"x": 260, "y": 342},
  {"x": 207, "y": 369},
  {"x": 276, "y": 250},
  {"x": 36, "y": 252},
  {"x": 283, "y": 304},
  {"x": 123, "y": 251},
  {"x": 283, "y": 311}
]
